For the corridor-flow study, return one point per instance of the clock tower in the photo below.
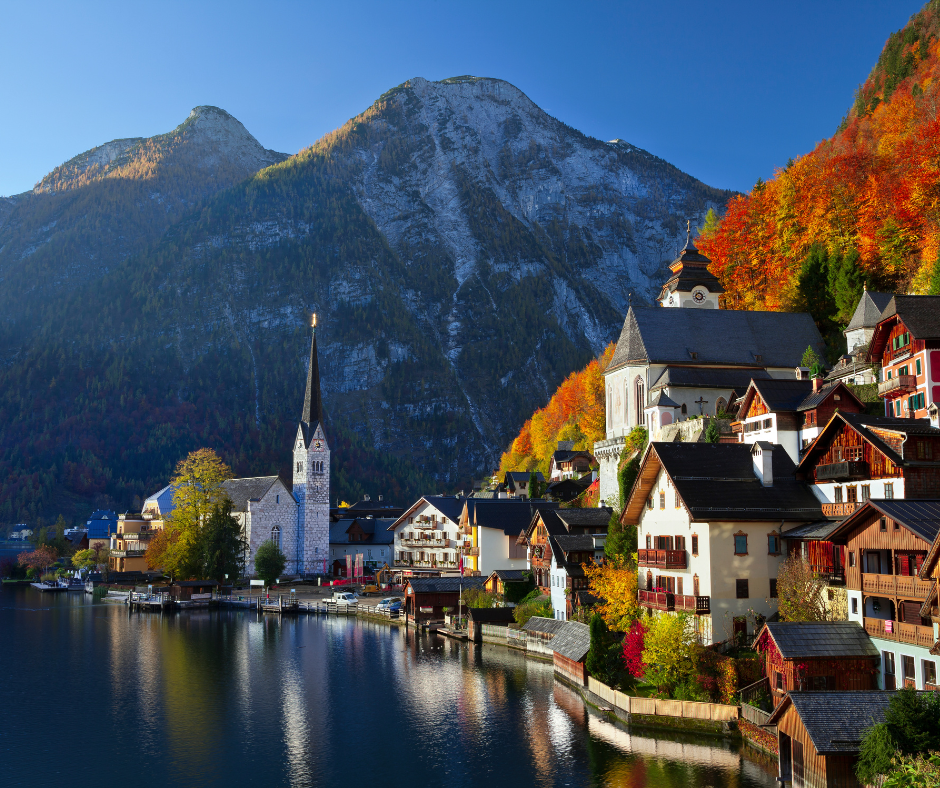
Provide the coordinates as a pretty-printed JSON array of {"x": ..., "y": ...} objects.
[
  {"x": 691, "y": 283},
  {"x": 312, "y": 475}
]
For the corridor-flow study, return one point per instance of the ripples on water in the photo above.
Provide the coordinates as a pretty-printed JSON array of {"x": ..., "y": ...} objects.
[{"x": 92, "y": 695}]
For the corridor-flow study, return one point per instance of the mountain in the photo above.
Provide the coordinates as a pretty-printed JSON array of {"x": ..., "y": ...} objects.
[
  {"x": 464, "y": 252},
  {"x": 110, "y": 202},
  {"x": 869, "y": 195}
]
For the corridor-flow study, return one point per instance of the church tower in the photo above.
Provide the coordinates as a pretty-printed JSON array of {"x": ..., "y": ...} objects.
[
  {"x": 691, "y": 283},
  {"x": 312, "y": 475}
]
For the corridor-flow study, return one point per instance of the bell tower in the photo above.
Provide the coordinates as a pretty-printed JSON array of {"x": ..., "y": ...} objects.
[
  {"x": 312, "y": 475},
  {"x": 691, "y": 285}
]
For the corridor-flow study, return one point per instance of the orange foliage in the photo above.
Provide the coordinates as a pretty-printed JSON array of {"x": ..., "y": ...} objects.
[
  {"x": 874, "y": 186},
  {"x": 575, "y": 412}
]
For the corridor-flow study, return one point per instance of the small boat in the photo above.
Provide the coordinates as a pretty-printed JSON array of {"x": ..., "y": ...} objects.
[{"x": 57, "y": 586}]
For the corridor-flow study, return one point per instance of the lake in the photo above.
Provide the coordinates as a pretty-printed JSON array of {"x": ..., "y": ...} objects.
[{"x": 93, "y": 695}]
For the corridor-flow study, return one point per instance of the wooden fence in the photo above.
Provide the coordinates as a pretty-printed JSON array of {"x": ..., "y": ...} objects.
[
  {"x": 754, "y": 715},
  {"x": 687, "y": 709}
]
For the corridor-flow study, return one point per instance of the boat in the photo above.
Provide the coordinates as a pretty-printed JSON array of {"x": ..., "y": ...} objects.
[{"x": 57, "y": 586}]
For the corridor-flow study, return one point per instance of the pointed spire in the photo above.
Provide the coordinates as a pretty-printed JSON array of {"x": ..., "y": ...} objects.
[
  {"x": 313, "y": 402},
  {"x": 689, "y": 246}
]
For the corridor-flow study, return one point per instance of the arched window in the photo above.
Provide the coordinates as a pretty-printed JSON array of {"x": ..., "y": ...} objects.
[
  {"x": 626, "y": 401},
  {"x": 276, "y": 536},
  {"x": 684, "y": 409},
  {"x": 640, "y": 400},
  {"x": 610, "y": 411},
  {"x": 720, "y": 405}
]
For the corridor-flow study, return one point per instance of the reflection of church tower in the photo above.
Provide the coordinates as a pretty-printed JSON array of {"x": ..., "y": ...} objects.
[
  {"x": 312, "y": 475},
  {"x": 691, "y": 283}
]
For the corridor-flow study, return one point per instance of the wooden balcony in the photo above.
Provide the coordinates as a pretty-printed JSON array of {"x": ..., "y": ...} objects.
[
  {"x": 737, "y": 426},
  {"x": 896, "y": 586},
  {"x": 657, "y": 600},
  {"x": 915, "y": 634},
  {"x": 842, "y": 471},
  {"x": 902, "y": 384},
  {"x": 472, "y": 551},
  {"x": 839, "y": 509},
  {"x": 664, "y": 559},
  {"x": 693, "y": 604}
]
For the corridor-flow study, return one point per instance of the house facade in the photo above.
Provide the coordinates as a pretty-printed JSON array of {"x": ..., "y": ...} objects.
[
  {"x": 428, "y": 538},
  {"x": 365, "y": 536},
  {"x": 709, "y": 519},
  {"x": 569, "y": 463}
]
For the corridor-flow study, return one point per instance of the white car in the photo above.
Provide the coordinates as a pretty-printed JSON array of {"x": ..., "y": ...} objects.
[
  {"x": 344, "y": 598},
  {"x": 391, "y": 604}
]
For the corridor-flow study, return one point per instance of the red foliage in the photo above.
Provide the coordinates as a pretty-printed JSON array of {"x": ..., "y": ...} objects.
[{"x": 633, "y": 650}]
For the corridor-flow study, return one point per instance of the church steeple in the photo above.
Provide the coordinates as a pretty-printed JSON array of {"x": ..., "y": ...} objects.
[
  {"x": 691, "y": 283},
  {"x": 313, "y": 403}
]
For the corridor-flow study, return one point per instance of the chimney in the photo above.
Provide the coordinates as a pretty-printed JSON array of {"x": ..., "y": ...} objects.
[
  {"x": 817, "y": 383},
  {"x": 763, "y": 456}
]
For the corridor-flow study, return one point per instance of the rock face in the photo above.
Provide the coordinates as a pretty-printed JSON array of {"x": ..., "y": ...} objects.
[{"x": 464, "y": 251}]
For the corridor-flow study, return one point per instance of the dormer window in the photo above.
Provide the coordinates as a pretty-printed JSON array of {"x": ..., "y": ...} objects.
[{"x": 693, "y": 354}]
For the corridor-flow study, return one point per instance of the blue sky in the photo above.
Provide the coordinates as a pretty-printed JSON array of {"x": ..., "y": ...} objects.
[{"x": 726, "y": 91}]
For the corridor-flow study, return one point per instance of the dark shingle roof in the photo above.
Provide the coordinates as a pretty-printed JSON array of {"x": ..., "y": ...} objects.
[
  {"x": 376, "y": 528},
  {"x": 573, "y": 640},
  {"x": 510, "y": 515},
  {"x": 550, "y": 626},
  {"x": 575, "y": 542},
  {"x": 240, "y": 491},
  {"x": 690, "y": 377},
  {"x": 716, "y": 481},
  {"x": 836, "y": 721},
  {"x": 437, "y": 585},
  {"x": 597, "y": 517},
  {"x": 921, "y": 517},
  {"x": 510, "y": 575},
  {"x": 523, "y": 476},
  {"x": 491, "y": 615},
  {"x": 717, "y": 336},
  {"x": 821, "y": 530},
  {"x": 921, "y": 314},
  {"x": 660, "y": 400},
  {"x": 868, "y": 312},
  {"x": 815, "y": 400},
  {"x": 816, "y": 640},
  {"x": 783, "y": 395}
]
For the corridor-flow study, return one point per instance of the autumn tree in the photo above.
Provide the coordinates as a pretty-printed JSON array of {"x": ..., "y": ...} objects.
[
  {"x": 800, "y": 592},
  {"x": 633, "y": 644},
  {"x": 614, "y": 582},
  {"x": 39, "y": 559},
  {"x": 478, "y": 598},
  {"x": 197, "y": 489},
  {"x": 269, "y": 562},
  {"x": 669, "y": 651},
  {"x": 84, "y": 559}
]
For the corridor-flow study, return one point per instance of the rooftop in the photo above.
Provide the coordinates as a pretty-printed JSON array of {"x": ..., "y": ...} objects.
[{"x": 817, "y": 640}]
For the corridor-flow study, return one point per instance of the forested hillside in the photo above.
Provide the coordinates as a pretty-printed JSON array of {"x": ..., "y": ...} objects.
[
  {"x": 868, "y": 198},
  {"x": 463, "y": 250}
]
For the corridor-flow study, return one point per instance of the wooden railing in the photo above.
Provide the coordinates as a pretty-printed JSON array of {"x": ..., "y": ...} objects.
[
  {"x": 665, "y": 559},
  {"x": 658, "y": 600},
  {"x": 896, "y": 585},
  {"x": 915, "y": 634},
  {"x": 899, "y": 384},
  {"x": 839, "y": 509},
  {"x": 842, "y": 471},
  {"x": 692, "y": 604}
]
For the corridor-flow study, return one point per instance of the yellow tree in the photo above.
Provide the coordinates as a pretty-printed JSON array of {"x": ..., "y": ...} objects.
[
  {"x": 615, "y": 582},
  {"x": 197, "y": 487}
]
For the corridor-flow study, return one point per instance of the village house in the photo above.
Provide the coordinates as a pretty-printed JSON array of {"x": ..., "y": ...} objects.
[
  {"x": 500, "y": 579},
  {"x": 100, "y": 526},
  {"x": 569, "y": 463},
  {"x": 365, "y": 536},
  {"x": 559, "y": 543},
  {"x": 906, "y": 342},
  {"x": 791, "y": 412},
  {"x": 492, "y": 528},
  {"x": 709, "y": 519},
  {"x": 817, "y": 657},
  {"x": 887, "y": 543},
  {"x": 698, "y": 356},
  {"x": 854, "y": 367},
  {"x": 856, "y": 457},
  {"x": 819, "y": 735},
  {"x": 428, "y": 598},
  {"x": 570, "y": 647},
  {"x": 428, "y": 538},
  {"x": 517, "y": 483}
]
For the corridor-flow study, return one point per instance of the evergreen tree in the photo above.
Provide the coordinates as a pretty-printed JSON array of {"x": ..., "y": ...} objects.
[
  {"x": 813, "y": 289},
  {"x": 535, "y": 489},
  {"x": 846, "y": 284},
  {"x": 712, "y": 432},
  {"x": 596, "y": 662},
  {"x": 711, "y": 223},
  {"x": 269, "y": 562},
  {"x": 223, "y": 544}
]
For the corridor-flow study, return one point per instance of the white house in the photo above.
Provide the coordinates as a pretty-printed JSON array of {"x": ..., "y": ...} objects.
[
  {"x": 428, "y": 538},
  {"x": 709, "y": 519},
  {"x": 494, "y": 527}
]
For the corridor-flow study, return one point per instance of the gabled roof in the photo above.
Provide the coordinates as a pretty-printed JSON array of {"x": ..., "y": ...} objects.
[
  {"x": 575, "y": 542},
  {"x": 818, "y": 640},
  {"x": 921, "y": 518},
  {"x": 566, "y": 455},
  {"x": 509, "y": 515},
  {"x": 451, "y": 506},
  {"x": 573, "y": 640},
  {"x": 509, "y": 575},
  {"x": 820, "y": 531},
  {"x": 814, "y": 400},
  {"x": 163, "y": 500},
  {"x": 241, "y": 491},
  {"x": 101, "y": 524},
  {"x": 522, "y": 476},
  {"x": 920, "y": 314},
  {"x": 375, "y": 528},
  {"x": 661, "y": 400},
  {"x": 868, "y": 312},
  {"x": 716, "y": 378},
  {"x": 443, "y": 585},
  {"x": 547, "y": 625},
  {"x": 716, "y": 481},
  {"x": 716, "y": 336},
  {"x": 595, "y": 517},
  {"x": 491, "y": 615},
  {"x": 836, "y": 721},
  {"x": 778, "y": 395}
]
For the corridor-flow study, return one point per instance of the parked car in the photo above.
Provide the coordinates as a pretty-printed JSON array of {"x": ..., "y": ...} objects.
[
  {"x": 391, "y": 604},
  {"x": 344, "y": 598}
]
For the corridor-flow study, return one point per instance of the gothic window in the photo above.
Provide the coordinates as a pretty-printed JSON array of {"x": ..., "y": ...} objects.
[
  {"x": 720, "y": 405},
  {"x": 276, "y": 536},
  {"x": 684, "y": 410},
  {"x": 300, "y": 467},
  {"x": 640, "y": 401},
  {"x": 626, "y": 402}
]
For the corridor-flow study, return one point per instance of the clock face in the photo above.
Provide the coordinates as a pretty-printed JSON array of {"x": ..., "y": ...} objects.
[
  {"x": 318, "y": 444},
  {"x": 699, "y": 296}
]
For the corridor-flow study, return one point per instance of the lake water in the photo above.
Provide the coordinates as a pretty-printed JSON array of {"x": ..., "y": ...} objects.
[{"x": 93, "y": 695}]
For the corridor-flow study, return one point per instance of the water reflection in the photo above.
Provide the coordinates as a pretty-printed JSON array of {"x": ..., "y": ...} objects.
[{"x": 232, "y": 698}]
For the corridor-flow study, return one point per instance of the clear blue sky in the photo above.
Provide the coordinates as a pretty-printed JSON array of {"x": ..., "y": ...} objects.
[{"x": 726, "y": 91}]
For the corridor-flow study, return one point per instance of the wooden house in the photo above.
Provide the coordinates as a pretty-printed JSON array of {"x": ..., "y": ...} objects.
[
  {"x": 426, "y": 597},
  {"x": 819, "y": 734},
  {"x": 570, "y": 646},
  {"x": 189, "y": 590},
  {"x": 829, "y": 656},
  {"x": 498, "y": 580},
  {"x": 887, "y": 543},
  {"x": 906, "y": 342}
]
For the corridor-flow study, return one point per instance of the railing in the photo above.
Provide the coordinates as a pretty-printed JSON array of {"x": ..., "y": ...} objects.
[
  {"x": 127, "y": 553},
  {"x": 915, "y": 634},
  {"x": 839, "y": 509},
  {"x": 896, "y": 585},
  {"x": 425, "y": 542},
  {"x": 737, "y": 426},
  {"x": 473, "y": 551},
  {"x": 658, "y": 600},
  {"x": 899, "y": 384},
  {"x": 842, "y": 471},
  {"x": 666, "y": 559},
  {"x": 692, "y": 604},
  {"x": 687, "y": 709}
]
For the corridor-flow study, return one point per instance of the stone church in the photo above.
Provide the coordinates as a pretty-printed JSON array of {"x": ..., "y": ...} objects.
[
  {"x": 297, "y": 520},
  {"x": 689, "y": 358}
]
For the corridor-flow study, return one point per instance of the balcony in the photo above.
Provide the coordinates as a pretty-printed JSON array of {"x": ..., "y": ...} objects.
[
  {"x": 425, "y": 542},
  {"x": 842, "y": 471},
  {"x": 127, "y": 553},
  {"x": 664, "y": 559},
  {"x": 896, "y": 586},
  {"x": 657, "y": 600},
  {"x": 700, "y": 605},
  {"x": 737, "y": 426},
  {"x": 472, "y": 551},
  {"x": 915, "y": 634},
  {"x": 839, "y": 509},
  {"x": 902, "y": 384}
]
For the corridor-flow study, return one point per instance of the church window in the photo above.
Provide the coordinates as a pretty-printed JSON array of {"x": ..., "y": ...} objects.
[
  {"x": 640, "y": 400},
  {"x": 276, "y": 536},
  {"x": 626, "y": 401},
  {"x": 684, "y": 410},
  {"x": 300, "y": 467}
]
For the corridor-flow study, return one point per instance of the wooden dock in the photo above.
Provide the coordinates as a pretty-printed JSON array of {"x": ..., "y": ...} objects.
[
  {"x": 156, "y": 603},
  {"x": 286, "y": 603},
  {"x": 44, "y": 587}
]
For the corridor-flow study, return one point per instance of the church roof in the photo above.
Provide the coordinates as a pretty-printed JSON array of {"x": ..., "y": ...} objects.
[
  {"x": 692, "y": 377},
  {"x": 240, "y": 491},
  {"x": 703, "y": 337},
  {"x": 868, "y": 312},
  {"x": 313, "y": 402}
]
